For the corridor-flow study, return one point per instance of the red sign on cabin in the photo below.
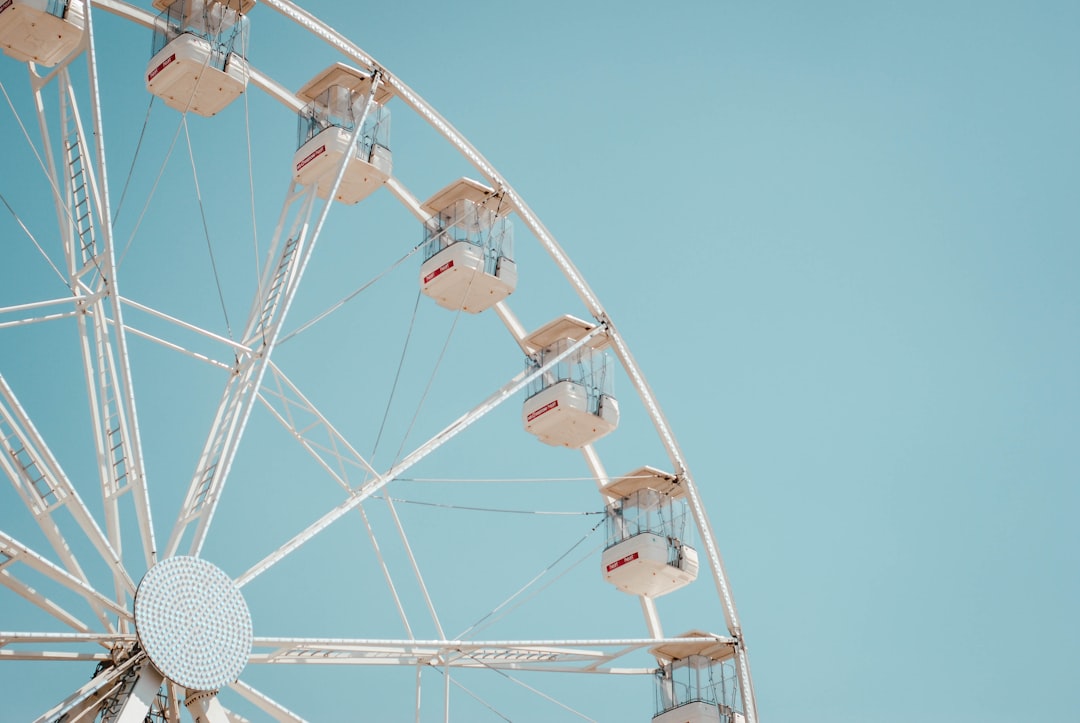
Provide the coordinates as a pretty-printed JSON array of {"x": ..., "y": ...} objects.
[
  {"x": 311, "y": 157},
  {"x": 546, "y": 408},
  {"x": 619, "y": 563},
  {"x": 445, "y": 267},
  {"x": 155, "y": 71}
]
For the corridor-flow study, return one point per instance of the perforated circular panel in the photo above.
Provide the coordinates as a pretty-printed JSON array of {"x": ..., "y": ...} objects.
[{"x": 193, "y": 623}]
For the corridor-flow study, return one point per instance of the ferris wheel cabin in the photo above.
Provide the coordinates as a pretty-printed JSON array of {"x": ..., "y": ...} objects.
[
  {"x": 646, "y": 526},
  {"x": 571, "y": 404},
  {"x": 198, "y": 59},
  {"x": 41, "y": 31},
  {"x": 697, "y": 682},
  {"x": 468, "y": 248},
  {"x": 336, "y": 101}
]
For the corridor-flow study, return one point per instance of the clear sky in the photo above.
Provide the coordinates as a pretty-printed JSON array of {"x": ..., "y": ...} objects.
[{"x": 843, "y": 241}]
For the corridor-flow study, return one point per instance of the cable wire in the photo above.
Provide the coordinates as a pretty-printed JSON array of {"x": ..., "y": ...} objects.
[
  {"x": 308, "y": 324},
  {"x": 533, "y": 690},
  {"x": 495, "y": 480},
  {"x": 153, "y": 191},
  {"x": 434, "y": 372},
  {"x": 467, "y": 508},
  {"x": 134, "y": 158},
  {"x": 473, "y": 695},
  {"x": 427, "y": 387},
  {"x": 495, "y": 615},
  {"x": 206, "y": 229},
  {"x": 35, "y": 241},
  {"x": 397, "y": 377},
  {"x": 29, "y": 142}
]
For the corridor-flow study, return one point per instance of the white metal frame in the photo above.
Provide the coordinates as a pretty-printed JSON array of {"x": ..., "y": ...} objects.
[{"x": 77, "y": 174}]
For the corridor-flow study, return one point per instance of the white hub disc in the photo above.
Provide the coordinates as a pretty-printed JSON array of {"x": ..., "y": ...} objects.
[{"x": 193, "y": 623}]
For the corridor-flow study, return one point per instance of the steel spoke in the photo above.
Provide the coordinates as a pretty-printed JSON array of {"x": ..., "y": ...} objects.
[
  {"x": 265, "y": 703},
  {"x": 89, "y": 696},
  {"x": 583, "y": 656},
  {"x": 12, "y": 551},
  {"x": 28, "y": 593},
  {"x": 45, "y": 489},
  {"x": 79, "y": 178}
]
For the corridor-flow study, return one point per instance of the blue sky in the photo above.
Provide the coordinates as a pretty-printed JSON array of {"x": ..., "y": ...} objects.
[{"x": 841, "y": 240}]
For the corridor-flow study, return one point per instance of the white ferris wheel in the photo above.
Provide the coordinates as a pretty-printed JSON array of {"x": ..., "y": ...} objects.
[{"x": 428, "y": 483}]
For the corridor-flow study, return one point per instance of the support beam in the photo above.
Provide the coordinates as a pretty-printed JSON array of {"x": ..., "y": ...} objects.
[
  {"x": 275, "y": 293},
  {"x": 313, "y": 430},
  {"x": 204, "y": 707},
  {"x": 28, "y": 593},
  {"x": 578, "y": 656},
  {"x": 264, "y": 703},
  {"x": 449, "y": 432},
  {"x": 77, "y": 171},
  {"x": 12, "y": 551},
  {"x": 272, "y": 301},
  {"x": 136, "y": 695},
  {"x": 90, "y": 695},
  {"x": 45, "y": 489}
]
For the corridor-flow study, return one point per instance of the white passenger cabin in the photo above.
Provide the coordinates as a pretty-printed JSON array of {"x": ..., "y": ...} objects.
[
  {"x": 468, "y": 248},
  {"x": 697, "y": 682},
  {"x": 571, "y": 404},
  {"x": 41, "y": 31},
  {"x": 198, "y": 62},
  {"x": 647, "y": 524},
  {"x": 335, "y": 104}
]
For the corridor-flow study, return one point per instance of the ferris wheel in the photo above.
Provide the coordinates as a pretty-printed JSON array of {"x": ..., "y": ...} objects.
[{"x": 428, "y": 483}]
